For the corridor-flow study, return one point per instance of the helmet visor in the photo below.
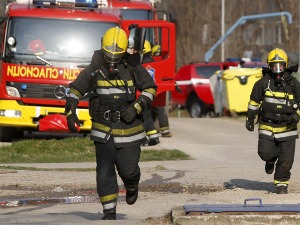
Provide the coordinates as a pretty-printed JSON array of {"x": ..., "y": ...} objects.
[
  {"x": 278, "y": 67},
  {"x": 112, "y": 58}
]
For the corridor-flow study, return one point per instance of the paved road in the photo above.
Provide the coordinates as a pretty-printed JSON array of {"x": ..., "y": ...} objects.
[{"x": 225, "y": 169}]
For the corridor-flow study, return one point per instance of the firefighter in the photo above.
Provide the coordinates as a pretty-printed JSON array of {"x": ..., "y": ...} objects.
[
  {"x": 275, "y": 99},
  {"x": 147, "y": 58},
  {"x": 156, "y": 50},
  {"x": 152, "y": 134},
  {"x": 161, "y": 115},
  {"x": 159, "y": 112},
  {"x": 117, "y": 129}
]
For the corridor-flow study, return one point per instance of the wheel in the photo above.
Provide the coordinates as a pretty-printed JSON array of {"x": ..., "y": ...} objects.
[
  {"x": 6, "y": 134},
  {"x": 196, "y": 107},
  {"x": 19, "y": 133}
]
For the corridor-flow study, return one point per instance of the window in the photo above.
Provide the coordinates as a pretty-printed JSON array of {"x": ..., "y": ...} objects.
[
  {"x": 207, "y": 71},
  {"x": 61, "y": 38}
]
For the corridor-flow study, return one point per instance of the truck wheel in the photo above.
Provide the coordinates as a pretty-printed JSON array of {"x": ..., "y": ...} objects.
[
  {"x": 6, "y": 134},
  {"x": 196, "y": 108},
  {"x": 19, "y": 133}
]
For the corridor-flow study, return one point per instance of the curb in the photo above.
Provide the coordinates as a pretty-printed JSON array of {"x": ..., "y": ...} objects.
[{"x": 178, "y": 216}]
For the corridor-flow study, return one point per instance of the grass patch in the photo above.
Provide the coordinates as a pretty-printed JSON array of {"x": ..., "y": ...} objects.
[
  {"x": 75, "y": 149},
  {"x": 47, "y": 151},
  {"x": 163, "y": 155},
  {"x": 46, "y": 169}
]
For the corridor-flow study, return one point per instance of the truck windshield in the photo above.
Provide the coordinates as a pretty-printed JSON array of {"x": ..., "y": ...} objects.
[{"x": 56, "y": 39}]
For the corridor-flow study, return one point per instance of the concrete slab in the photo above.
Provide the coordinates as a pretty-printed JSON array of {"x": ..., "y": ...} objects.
[{"x": 225, "y": 169}]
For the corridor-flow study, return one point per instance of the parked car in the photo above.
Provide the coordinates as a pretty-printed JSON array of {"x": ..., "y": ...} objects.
[{"x": 195, "y": 92}]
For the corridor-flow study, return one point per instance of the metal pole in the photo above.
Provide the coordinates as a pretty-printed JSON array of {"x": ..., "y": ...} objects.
[{"x": 223, "y": 30}]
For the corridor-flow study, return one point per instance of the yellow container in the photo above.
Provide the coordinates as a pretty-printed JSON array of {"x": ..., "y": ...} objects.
[{"x": 238, "y": 84}]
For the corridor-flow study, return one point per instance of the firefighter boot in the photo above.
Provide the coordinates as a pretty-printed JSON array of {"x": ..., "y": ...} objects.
[
  {"x": 269, "y": 167},
  {"x": 131, "y": 195},
  {"x": 165, "y": 132},
  {"x": 153, "y": 141},
  {"x": 281, "y": 189},
  {"x": 109, "y": 214}
]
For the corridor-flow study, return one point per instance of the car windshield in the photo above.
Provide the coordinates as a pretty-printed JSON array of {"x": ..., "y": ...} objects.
[
  {"x": 207, "y": 71},
  {"x": 56, "y": 39}
]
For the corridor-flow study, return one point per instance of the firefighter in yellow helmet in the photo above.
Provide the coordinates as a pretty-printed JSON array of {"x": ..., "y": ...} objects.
[
  {"x": 156, "y": 50},
  {"x": 152, "y": 133},
  {"x": 160, "y": 112},
  {"x": 275, "y": 100},
  {"x": 155, "y": 112},
  {"x": 147, "y": 58},
  {"x": 117, "y": 128}
]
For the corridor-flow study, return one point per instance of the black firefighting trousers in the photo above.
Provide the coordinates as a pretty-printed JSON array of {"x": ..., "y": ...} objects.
[
  {"x": 161, "y": 115},
  {"x": 148, "y": 120},
  {"x": 282, "y": 151},
  {"x": 154, "y": 113},
  {"x": 109, "y": 158}
]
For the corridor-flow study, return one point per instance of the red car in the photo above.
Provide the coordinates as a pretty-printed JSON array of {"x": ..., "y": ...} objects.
[{"x": 193, "y": 81}]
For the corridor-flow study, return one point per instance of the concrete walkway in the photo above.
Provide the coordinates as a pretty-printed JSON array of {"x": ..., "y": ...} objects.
[{"x": 225, "y": 169}]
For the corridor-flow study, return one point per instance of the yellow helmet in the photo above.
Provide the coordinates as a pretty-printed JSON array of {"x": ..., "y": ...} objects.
[
  {"x": 147, "y": 47},
  {"x": 114, "y": 44},
  {"x": 277, "y": 61},
  {"x": 156, "y": 50}
]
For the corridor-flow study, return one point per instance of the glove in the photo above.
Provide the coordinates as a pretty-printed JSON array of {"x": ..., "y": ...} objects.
[
  {"x": 70, "y": 111},
  {"x": 250, "y": 124},
  {"x": 129, "y": 114},
  {"x": 71, "y": 104},
  {"x": 73, "y": 123},
  {"x": 294, "y": 118}
]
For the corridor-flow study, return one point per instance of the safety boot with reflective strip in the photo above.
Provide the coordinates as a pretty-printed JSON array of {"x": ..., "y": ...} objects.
[{"x": 281, "y": 186}]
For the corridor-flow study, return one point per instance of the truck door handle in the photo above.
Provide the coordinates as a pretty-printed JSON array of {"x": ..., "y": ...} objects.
[{"x": 167, "y": 78}]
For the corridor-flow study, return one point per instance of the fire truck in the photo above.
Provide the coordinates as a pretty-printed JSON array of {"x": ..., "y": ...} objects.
[{"x": 44, "y": 46}]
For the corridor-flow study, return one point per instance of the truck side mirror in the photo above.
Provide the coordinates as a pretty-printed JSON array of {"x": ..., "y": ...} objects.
[{"x": 137, "y": 37}]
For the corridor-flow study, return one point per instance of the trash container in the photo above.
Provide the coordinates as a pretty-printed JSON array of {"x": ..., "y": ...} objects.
[
  {"x": 216, "y": 87},
  {"x": 238, "y": 84}
]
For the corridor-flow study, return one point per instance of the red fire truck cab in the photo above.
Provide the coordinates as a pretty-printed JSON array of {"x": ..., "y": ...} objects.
[{"x": 44, "y": 46}]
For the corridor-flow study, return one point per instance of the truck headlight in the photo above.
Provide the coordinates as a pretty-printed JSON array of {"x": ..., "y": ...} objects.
[
  {"x": 12, "y": 91},
  {"x": 11, "y": 113}
]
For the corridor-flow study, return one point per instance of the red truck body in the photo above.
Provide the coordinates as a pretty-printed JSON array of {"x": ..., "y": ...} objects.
[{"x": 34, "y": 84}]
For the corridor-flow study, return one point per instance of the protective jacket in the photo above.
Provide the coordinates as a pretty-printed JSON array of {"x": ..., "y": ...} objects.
[
  {"x": 275, "y": 104},
  {"x": 112, "y": 94}
]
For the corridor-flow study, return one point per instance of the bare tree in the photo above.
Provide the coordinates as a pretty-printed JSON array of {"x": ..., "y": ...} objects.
[{"x": 198, "y": 25}]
